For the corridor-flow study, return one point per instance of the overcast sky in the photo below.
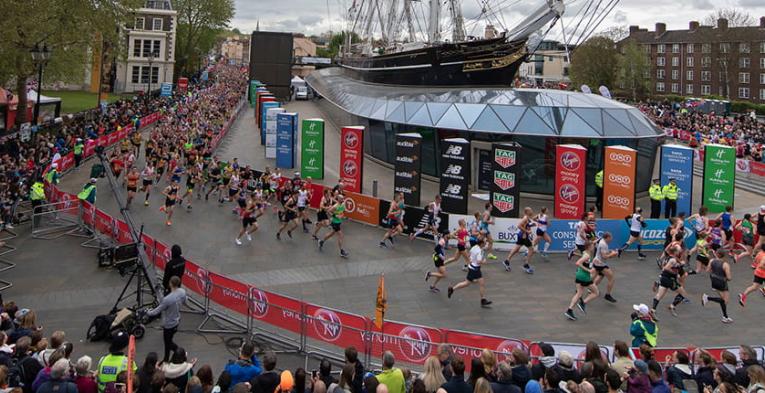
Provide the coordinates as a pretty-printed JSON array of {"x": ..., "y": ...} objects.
[{"x": 317, "y": 16}]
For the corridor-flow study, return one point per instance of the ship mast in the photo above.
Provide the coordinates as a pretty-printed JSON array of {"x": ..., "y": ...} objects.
[
  {"x": 434, "y": 30},
  {"x": 409, "y": 21},
  {"x": 458, "y": 32}
]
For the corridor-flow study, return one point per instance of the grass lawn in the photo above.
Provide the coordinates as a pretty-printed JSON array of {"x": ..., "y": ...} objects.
[{"x": 77, "y": 101}]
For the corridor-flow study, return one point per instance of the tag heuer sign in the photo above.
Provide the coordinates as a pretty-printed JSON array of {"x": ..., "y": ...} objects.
[
  {"x": 505, "y": 158},
  {"x": 503, "y": 203},
  {"x": 504, "y": 180}
]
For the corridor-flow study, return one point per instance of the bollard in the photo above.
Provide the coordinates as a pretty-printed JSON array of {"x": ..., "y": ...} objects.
[{"x": 374, "y": 188}]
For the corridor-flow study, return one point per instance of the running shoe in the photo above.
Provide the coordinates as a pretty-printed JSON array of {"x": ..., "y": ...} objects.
[
  {"x": 528, "y": 269},
  {"x": 619, "y": 253},
  {"x": 727, "y": 320},
  {"x": 188, "y": 208},
  {"x": 464, "y": 268},
  {"x": 383, "y": 245},
  {"x": 569, "y": 256},
  {"x": 582, "y": 306},
  {"x": 427, "y": 277},
  {"x": 570, "y": 315},
  {"x": 449, "y": 292},
  {"x": 169, "y": 223},
  {"x": 609, "y": 298},
  {"x": 742, "y": 299},
  {"x": 506, "y": 264},
  {"x": 289, "y": 233},
  {"x": 641, "y": 256},
  {"x": 543, "y": 254},
  {"x": 162, "y": 209},
  {"x": 687, "y": 300},
  {"x": 238, "y": 242},
  {"x": 485, "y": 302},
  {"x": 762, "y": 291},
  {"x": 278, "y": 236},
  {"x": 672, "y": 310},
  {"x": 249, "y": 237},
  {"x": 343, "y": 254},
  {"x": 434, "y": 289},
  {"x": 321, "y": 244},
  {"x": 704, "y": 299},
  {"x": 491, "y": 256},
  {"x": 411, "y": 236}
]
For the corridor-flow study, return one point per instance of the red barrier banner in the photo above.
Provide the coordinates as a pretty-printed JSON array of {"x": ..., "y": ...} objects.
[
  {"x": 335, "y": 327},
  {"x": 90, "y": 147},
  {"x": 161, "y": 254},
  {"x": 88, "y": 211},
  {"x": 352, "y": 157},
  {"x": 149, "y": 119},
  {"x": 66, "y": 162},
  {"x": 757, "y": 168},
  {"x": 619, "y": 182},
  {"x": 364, "y": 208},
  {"x": 103, "y": 223},
  {"x": 111, "y": 139},
  {"x": 148, "y": 246},
  {"x": 197, "y": 279},
  {"x": 227, "y": 292},
  {"x": 123, "y": 233},
  {"x": 317, "y": 191},
  {"x": 409, "y": 343},
  {"x": 470, "y": 345},
  {"x": 570, "y": 194},
  {"x": 274, "y": 309},
  {"x": 743, "y": 165}
]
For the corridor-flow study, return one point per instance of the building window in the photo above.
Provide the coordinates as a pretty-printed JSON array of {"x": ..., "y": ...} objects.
[
  {"x": 660, "y": 74},
  {"x": 689, "y": 75},
  {"x": 675, "y": 75},
  {"x": 743, "y": 47},
  {"x": 689, "y": 48},
  {"x": 647, "y": 48},
  {"x": 155, "y": 48},
  {"x": 762, "y": 79},
  {"x": 660, "y": 86},
  {"x": 706, "y": 90},
  {"x": 762, "y": 63},
  {"x": 154, "y": 74},
  {"x": 724, "y": 47},
  {"x": 660, "y": 48},
  {"x": 689, "y": 61},
  {"x": 675, "y": 87},
  {"x": 706, "y": 76},
  {"x": 762, "y": 47},
  {"x": 675, "y": 61},
  {"x": 136, "y": 48},
  {"x": 743, "y": 92},
  {"x": 660, "y": 62},
  {"x": 146, "y": 48},
  {"x": 144, "y": 74},
  {"x": 689, "y": 88},
  {"x": 762, "y": 94},
  {"x": 706, "y": 62},
  {"x": 706, "y": 48},
  {"x": 675, "y": 48},
  {"x": 156, "y": 24},
  {"x": 136, "y": 71},
  {"x": 138, "y": 24},
  {"x": 744, "y": 62},
  {"x": 743, "y": 77}
]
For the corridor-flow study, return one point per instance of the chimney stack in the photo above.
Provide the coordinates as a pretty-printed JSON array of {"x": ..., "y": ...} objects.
[
  {"x": 693, "y": 25},
  {"x": 636, "y": 28},
  {"x": 661, "y": 28},
  {"x": 722, "y": 23},
  {"x": 762, "y": 22}
]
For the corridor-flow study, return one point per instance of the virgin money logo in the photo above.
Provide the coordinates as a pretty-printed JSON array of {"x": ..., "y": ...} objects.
[
  {"x": 203, "y": 281},
  {"x": 258, "y": 302},
  {"x": 351, "y": 140},
  {"x": 327, "y": 324},
  {"x": 414, "y": 343},
  {"x": 505, "y": 158},
  {"x": 505, "y": 348},
  {"x": 570, "y": 161},
  {"x": 349, "y": 168},
  {"x": 568, "y": 193}
]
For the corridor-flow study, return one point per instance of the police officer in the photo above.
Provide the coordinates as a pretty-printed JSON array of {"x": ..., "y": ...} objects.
[
  {"x": 88, "y": 192},
  {"x": 657, "y": 195},
  {"x": 79, "y": 147},
  {"x": 599, "y": 190},
  {"x": 670, "y": 192},
  {"x": 53, "y": 177},
  {"x": 37, "y": 197},
  {"x": 115, "y": 362}
]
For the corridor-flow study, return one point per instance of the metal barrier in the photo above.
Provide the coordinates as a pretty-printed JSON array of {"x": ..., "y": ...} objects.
[{"x": 54, "y": 220}]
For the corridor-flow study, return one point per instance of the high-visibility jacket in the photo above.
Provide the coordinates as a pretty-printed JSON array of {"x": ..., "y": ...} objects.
[
  {"x": 650, "y": 338},
  {"x": 109, "y": 367},
  {"x": 88, "y": 193},
  {"x": 52, "y": 176},
  {"x": 78, "y": 148},
  {"x": 599, "y": 179},
  {"x": 656, "y": 193},
  {"x": 670, "y": 191},
  {"x": 37, "y": 192}
]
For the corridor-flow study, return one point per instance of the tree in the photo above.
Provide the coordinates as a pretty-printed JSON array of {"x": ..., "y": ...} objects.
[
  {"x": 338, "y": 40},
  {"x": 67, "y": 27},
  {"x": 616, "y": 33},
  {"x": 736, "y": 17},
  {"x": 633, "y": 67},
  {"x": 595, "y": 63},
  {"x": 199, "y": 23}
]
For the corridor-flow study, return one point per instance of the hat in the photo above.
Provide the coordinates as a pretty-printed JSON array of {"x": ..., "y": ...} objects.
[
  {"x": 20, "y": 314},
  {"x": 79, "y": 139},
  {"x": 93, "y": 180},
  {"x": 54, "y": 165},
  {"x": 287, "y": 382},
  {"x": 672, "y": 179},
  {"x": 120, "y": 340},
  {"x": 762, "y": 208},
  {"x": 641, "y": 308},
  {"x": 656, "y": 180},
  {"x": 641, "y": 366}
]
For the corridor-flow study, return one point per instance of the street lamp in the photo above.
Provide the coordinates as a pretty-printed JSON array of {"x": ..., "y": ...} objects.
[
  {"x": 40, "y": 57},
  {"x": 152, "y": 56}
]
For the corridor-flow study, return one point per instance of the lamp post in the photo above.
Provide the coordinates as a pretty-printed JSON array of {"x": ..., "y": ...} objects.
[
  {"x": 40, "y": 57},
  {"x": 151, "y": 70}
]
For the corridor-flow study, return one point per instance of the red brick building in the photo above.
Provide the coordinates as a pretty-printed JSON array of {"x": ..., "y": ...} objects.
[{"x": 705, "y": 60}]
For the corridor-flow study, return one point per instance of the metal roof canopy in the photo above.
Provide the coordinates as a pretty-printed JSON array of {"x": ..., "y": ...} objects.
[{"x": 501, "y": 110}]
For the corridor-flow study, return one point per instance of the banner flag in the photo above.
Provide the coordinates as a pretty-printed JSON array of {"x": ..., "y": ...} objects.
[
  {"x": 619, "y": 173},
  {"x": 352, "y": 157},
  {"x": 286, "y": 139},
  {"x": 271, "y": 116},
  {"x": 718, "y": 187},
  {"x": 570, "y": 194},
  {"x": 312, "y": 149},
  {"x": 505, "y": 187},
  {"x": 677, "y": 163},
  {"x": 455, "y": 175},
  {"x": 408, "y": 167}
]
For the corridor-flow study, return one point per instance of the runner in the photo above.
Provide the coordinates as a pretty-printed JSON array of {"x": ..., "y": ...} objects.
[
  {"x": 132, "y": 184},
  {"x": 249, "y": 222},
  {"x": 338, "y": 215},
  {"x": 702, "y": 254},
  {"x": 726, "y": 221},
  {"x": 433, "y": 210},
  {"x": 322, "y": 216},
  {"x": 215, "y": 180},
  {"x": 117, "y": 164},
  {"x": 395, "y": 219},
  {"x": 193, "y": 178},
  {"x": 542, "y": 222},
  {"x": 486, "y": 220},
  {"x": 746, "y": 226},
  {"x": 439, "y": 253},
  {"x": 462, "y": 235},
  {"x": 474, "y": 273},
  {"x": 583, "y": 280},
  {"x": 303, "y": 199},
  {"x": 719, "y": 273},
  {"x": 759, "y": 275},
  {"x": 234, "y": 183},
  {"x": 580, "y": 239},
  {"x": 136, "y": 139},
  {"x": 636, "y": 224},
  {"x": 171, "y": 197},
  {"x": 669, "y": 281},
  {"x": 147, "y": 175},
  {"x": 289, "y": 215},
  {"x": 603, "y": 253},
  {"x": 700, "y": 220},
  {"x": 523, "y": 239},
  {"x": 716, "y": 236},
  {"x": 760, "y": 230}
]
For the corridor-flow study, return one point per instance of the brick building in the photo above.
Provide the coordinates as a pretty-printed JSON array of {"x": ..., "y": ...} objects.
[{"x": 705, "y": 60}]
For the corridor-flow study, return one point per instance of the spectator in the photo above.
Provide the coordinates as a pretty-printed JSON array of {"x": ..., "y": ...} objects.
[
  {"x": 286, "y": 382},
  {"x": 269, "y": 379},
  {"x": 623, "y": 360},
  {"x": 370, "y": 383},
  {"x": 319, "y": 387},
  {"x": 178, "y": 370},
  {"x": 566, "y": 368},
  {"x": 658, "y": 385},
  {"x": 346, "y": 380},
  {"x": 598, "y": 378},
  {"x": 224, "y": 383},
  {"x": 722, "y": 374},
  {"x": 680, "y": 370},
  {"x": 300, "y": 381},
  {"x": 489, "y": 362},
  {"x": 58, "y": 382},
  {"x": 457, "y": 383},
  {"x": 390, "y": 376},
  {"x": 643, "y": 329},
  {"x": 546, "y": 361},
  {"x": 482, "y": 385},
  {"x": 551, "y": 381},
  {"x": 445, "y": 356},
  {"x": 418, "y": 386},
  {"x": 146, "y": 373},
  {"x": 55, "y": 342},
  {"x": 176, "y": 266},
  {"x": 29, "y": 366},
  {"x": 246, "y": 367},
  {"x": 613, "y": 381},
  {"x": 705, "y": 372},
  {"x": 748, "y": 359},
  {"x": 25, "y": 324},
  {"x": 521, "y": 372},
  {"x": 325, "y": 373},
  {"x": 433, "y": 376},
  {"x": 352, "y": 357},
  {"x": 504, "y": 383},
  {"x": 194, "y": 385},
  {"x": 205, "y": 376},
  {"x": 170, "y": 307},
  {"x": 45, "y": 374},
  {"x": 84, "y": 379},
  {"x": 533, "y": 386},
  {"x": 637, "y": 378},
  {"x": 756, "y": 375}
]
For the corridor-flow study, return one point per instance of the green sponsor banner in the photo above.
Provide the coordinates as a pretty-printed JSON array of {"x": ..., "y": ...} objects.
[
  {"x": 719, "y": 177},
  {"x": 312, "y": 149}
]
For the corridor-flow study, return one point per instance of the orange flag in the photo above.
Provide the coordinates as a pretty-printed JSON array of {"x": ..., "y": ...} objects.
[
  {"x": 131, "y": 359},
  {"x": 382, "y": 302}
]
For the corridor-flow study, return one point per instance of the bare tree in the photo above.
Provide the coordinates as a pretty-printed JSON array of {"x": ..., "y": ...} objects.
[
  {"x": 616, "y": 33},
  {"x": 736, "y": 17}
]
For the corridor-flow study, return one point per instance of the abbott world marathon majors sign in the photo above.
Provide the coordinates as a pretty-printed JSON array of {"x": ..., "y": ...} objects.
[
  {"x": 408, "y": 167},
  {"x": 455, "y": 175},
  {"x": 619, "y": 172},
  {"x": 505, "y": 190},
  {"x": 569, "y": 181},
  {"x": 677, "y": 163},
  {"x": 718, "y": 188},
  {"x": 352, "y": 157}
]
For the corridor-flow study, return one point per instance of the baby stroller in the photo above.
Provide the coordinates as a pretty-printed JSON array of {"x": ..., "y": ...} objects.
[{"x": 103, "y": 326}]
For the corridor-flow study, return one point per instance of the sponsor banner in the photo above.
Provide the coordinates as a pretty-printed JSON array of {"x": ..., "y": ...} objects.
[
  {"x": 197, "y": 279},
  {"x": 274, "y": 309},
  {"x": 619, "y": 182},
  {"x": 166, "y": 89},
  {"x": 570, "y": 195},
  {"x": 408, "y": 167},
  {"x": 677, "y": 163},
  {"x": 229, "y": 293},
  {"x": 360, "y": 207},
  {"x": 718, "y": 186},
  {"x": 150, "y": 119},
  {"x": 577, "y": 351},
  {"x": 469, "y": 345},
  {"x": 317, "y": 191},
  {"x": 162, "y": 255},
  {"x": 743, "y": 165},
  {"x": 104, "y": 223},
  {"x": 352, "y": 157},
  {"x": 122, "y": 235},
  {"x": 335, "y": 327},
  {"x": 312, "y": 149},
  {"x": 504, "y": 231},
  {"x": 417, "y": 217},
  {"x": 286, "y": 139},
  {"x": 505, "y": 187},
  {"x": 90, "y": 147},
  {"x": 409, "y": 343},
  {"x": 455, "y": 175},
  {"x": 264, "y": 107},
  {"x": 271, "y": 125},
  {"x": 183, "y": 84},
  {"x": 757, "y": 168}
]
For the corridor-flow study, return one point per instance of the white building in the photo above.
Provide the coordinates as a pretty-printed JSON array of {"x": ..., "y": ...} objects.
[
  {"x": 151, "y": 48},
  {"x": 549, "y": 64}
]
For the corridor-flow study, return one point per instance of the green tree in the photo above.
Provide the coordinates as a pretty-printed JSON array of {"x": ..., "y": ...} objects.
[
  {"x": 633, "y": 66},
  {"x": 199, "y": 23},
  {"x": 595, "y": 63},
  {"x": 67, "y": 27},
  {"x": 337, "y": 40}
]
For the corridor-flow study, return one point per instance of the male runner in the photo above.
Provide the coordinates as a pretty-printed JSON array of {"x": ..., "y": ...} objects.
[
  {"x": 322, "y": 216},
  {"x": 486, "y": 220},
  {"x": 669, "y": 281},
  {"x": 289, "y": 216},
  {"x": 636, "y": 225},
  {"x": 438, "y": 259},
  {"x": 148, "y": 174},
  {"x": 542, "y": 222},
  {"x": 580, "y": 239},
  {"x": 603, "y": 253},
  {"x": 132, "y": 184},
  {"x": 249, "y": 222},
  {"x": 433, "y": 210},
  {"x": 338, "y": 215},
  {"x": 171, "y": 197},
  {"x": 474, "y": 273},
  {"x": 759, "y": 277},
  {"x": 303, "y": 199},
  {"x": 395, "y": 220},
  {"x": 523, "y": 239}
]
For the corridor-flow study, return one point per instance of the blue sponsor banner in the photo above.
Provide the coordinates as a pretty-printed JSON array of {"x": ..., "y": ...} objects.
[
  {"x": 263, "y": 110},
  {"x": 563, "y": 234},
  {"x": 286, "y": 139},
  {"x": 677, "y": 163},
  {"x": 166, "y": 90}
]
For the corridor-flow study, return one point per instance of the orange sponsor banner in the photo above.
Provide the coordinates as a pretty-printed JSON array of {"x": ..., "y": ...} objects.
[
  {"x": 359, "y": 207},
  {"x": 619, "y": 173}
]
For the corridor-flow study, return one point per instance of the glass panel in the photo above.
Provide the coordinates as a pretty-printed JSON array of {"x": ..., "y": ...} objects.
[
  {"x": 392, "y": 106},
  {"x": 552, "y": 116},
  {"x": 621, "y": 116},
  {"x": 575, "y": 126},
  {"x": 451, "y": 119},
  {"x": 642, "y": 125},
  {"x": 580, "y": 100},
  {"x": 421, "y": 117},
  {"x": 364, "y": 105},
  {"x": 592, "y": 117},
  {"x": 379, "y": 111},
  {"x": 611, "y": 127},
  {"x": 470, "y": 112},
  {"x": 412, "y": 107},
  {"x": 437, "y": 110},
  {"x": 397, "y": 115},
  {"x": 510, "y": 115},
  {"x": 489, "y": 121},
  {"x": 377, "y": 139},
  {"x": 532, "y": 124}
]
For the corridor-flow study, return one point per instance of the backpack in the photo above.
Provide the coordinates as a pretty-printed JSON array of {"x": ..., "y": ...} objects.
[
  {"x": 100, "y": 328},
  {"x": 23, "y": 372}
]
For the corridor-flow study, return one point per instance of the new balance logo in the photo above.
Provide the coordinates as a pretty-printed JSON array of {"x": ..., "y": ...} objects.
[
  {"x": 454, "y": 150},
  {"x": 453, "y": 169},
  {"x": 453, "y": 189}
]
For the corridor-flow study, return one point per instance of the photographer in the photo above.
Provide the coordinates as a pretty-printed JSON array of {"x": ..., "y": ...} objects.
[{"x": 644, "y": 329}]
